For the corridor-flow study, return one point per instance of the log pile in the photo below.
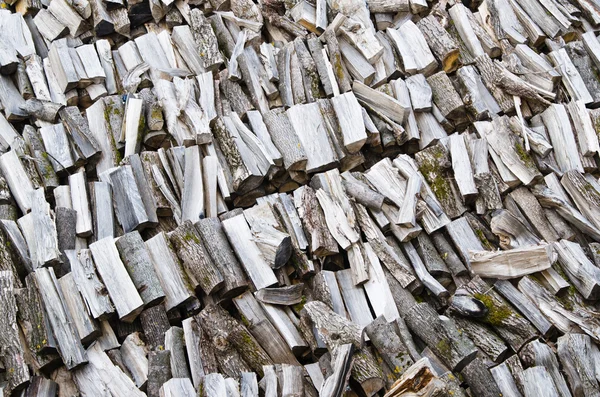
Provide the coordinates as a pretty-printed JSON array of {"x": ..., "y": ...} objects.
[{"x": 226, "y": 198}]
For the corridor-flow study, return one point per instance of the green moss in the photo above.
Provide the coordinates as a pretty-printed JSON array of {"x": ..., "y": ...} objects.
[
  {"x": 430, "y": 169},
  {"x": 191, "y": 237},
  {"x": 496, "y": 313},
  {"x": 524, "y": 156},
  {"x": 419, "y": 299},
  {"x": 444, "y": 347},
  {"x": 299, "y": 306},
  {"x": 484, "y": 241},
  {"x": 245, "y": 321}
]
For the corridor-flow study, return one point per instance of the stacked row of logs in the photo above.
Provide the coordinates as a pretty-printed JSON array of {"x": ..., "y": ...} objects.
[{"x": 299, "y": 198}]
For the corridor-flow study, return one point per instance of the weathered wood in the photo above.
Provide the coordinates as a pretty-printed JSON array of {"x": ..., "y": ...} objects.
[
  {"x": 138, "y": 264},
  {"x": 12, "y": 350},
  {"x": 579, "y": 269},
  {"x": 538, "y": 355},
  {"x": 412, "y": 47},
  {"x": 85, "y": 325},
  {"x": 121, "y": 289},
  {"x": 516, "y": 330},
  {"x": 172, "y": 278},
  {"x": 39, "y": 230},
  {"x": 221, "y": 253},
  {"x": 67, "y": 338},
  {"x": 240, "y": 237},
  {"x": 200, "y": 269}
]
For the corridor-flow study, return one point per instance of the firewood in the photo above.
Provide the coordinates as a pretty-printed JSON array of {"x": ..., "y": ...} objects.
[
  {"x": 120, "y": 287},
  {"x": 67, "y": 338},
  {"x": 417, "y": 58},
  {"x": 18, "y": 373}
]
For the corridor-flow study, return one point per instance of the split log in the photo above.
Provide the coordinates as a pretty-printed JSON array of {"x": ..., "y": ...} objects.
[
  {"x": 240, "y": 237},
  {"x": 138, "y": 264},
  {"x": 201, "y": 270},
  {"x": 221, "y": 253},
  {"x": 581, "y": 272},
  {"x": 575, "y": 353},
  {"x": 121, "y": 289},
  {"x": 67, "y": 338},
  {"x": 513, "y": 328},
  {"x": 12, "y": 350},
  {"x": 536, "y": 355},
  {"x": 170, "y": 274},
  {"x": 85, "y": 325}
]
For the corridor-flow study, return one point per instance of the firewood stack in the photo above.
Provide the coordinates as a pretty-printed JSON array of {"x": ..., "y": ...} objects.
[{"x": 303, "y": 198}]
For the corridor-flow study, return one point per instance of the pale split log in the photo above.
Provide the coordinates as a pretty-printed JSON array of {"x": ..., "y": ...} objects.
[
  {"x": 414, "y": 51},
  {"x": 580, "y": 270},
  {"x": 510, "y": 263},
  {"x": 67, "y": 339},
  {"x": 570, "y": 76},
  {"x": 138, "y": 264},
  {"x": 264, "y": 330},
  {"x": 313, "y": 136},
  {"x": 85, "y": 325},
  {"x": 39, "y": 230},
  {"x": 174, "y": 342},
  {"x": 539, "y": 355},
  {"x": 240, "y": 344},
  {"x": 240, "y": 237},
  {"x": 220, "y": 251},
  {"x": 476, "y": 96},
  {"x": 121, "y": 289},
  {"x": 92, "y": 289}
]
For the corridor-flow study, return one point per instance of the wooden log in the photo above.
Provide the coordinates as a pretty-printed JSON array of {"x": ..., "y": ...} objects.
[
  {"x": 384, "y": 337},
  {"x": 101, "y": 374},
  {"x": 432, "y": 163},
  {"x": 201, "y": 270},
  {"x": 571, "y": 77},
  {"x": 240, "y": 237},
  {"x": 155, "y": 324},
  {"x": 531, "y": 312},
  {"x": 516, "y": 330},
  {"x": 586, "y": 137},
  {"x": 561, "y": 135},
  {"x": 12, "y": 350},
  {"x": 274, "y": 244},
  {"x": 221, "y": 253},
  {"x": 264, "y": 330},
  {"x": 121, "y": 289},
  {"x": 575, "y": 353},
  {"x": 537, "y": 381},
  {"x": 285, "y": 139},
  {"x": 320, "y": 155},
  {"x": 417, "y": 58},
  {"x": 539, "y": 355},
  {"x": 580, "y": 270},
  {"x": 174, "y": 341},
  {"x": 159, "y": 371},
  {"x": 170, "y": 274},
  {"x": 138, "y": 264},
  {"x": 67, "y": 339},
  {"x": 39, "y": 230},
  {"x": 177, "y": 387},
  {"x": 441, "y": 335},
  {"x": 582, "y": 193},
  {"x": 101, "y": 199},
  {"x": 480, "y": 379},
  {"x": 91, "y": 288},
  {"x": 505, "y": 265},
  {"x": 79, "y": 130},
  {"x": 217, "y": 323},
  {"x": 85, "y": 325},
  {"x": 131, "y": 211}
]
